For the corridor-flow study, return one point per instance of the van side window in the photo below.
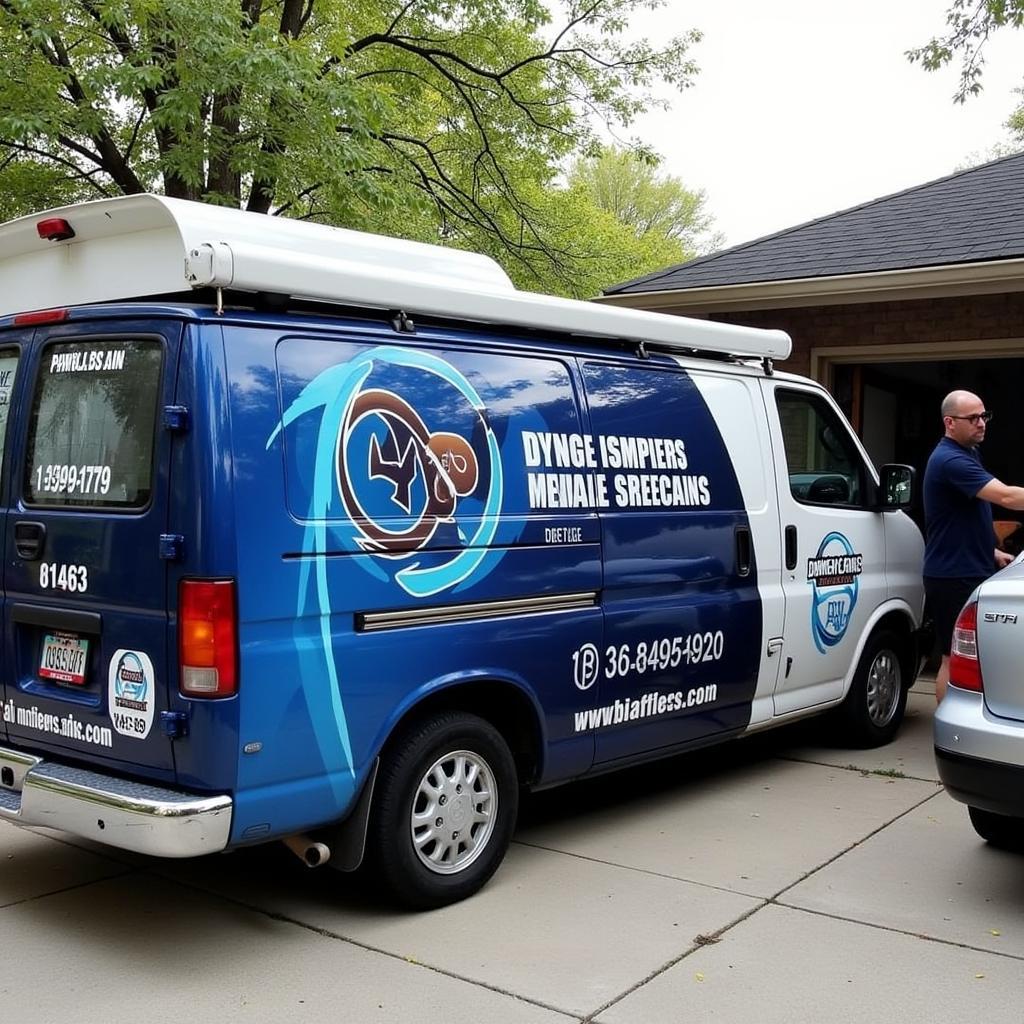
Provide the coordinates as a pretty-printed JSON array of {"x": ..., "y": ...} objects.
[
  {"x": 92, "y": 425},
  {"x": 824, "y": 465},
  {"x": 8, "y": 367}
]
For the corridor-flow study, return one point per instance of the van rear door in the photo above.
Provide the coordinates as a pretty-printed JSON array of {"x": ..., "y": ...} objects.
[
  {"x": 86, "y": 625},
  {"x": 11, "y": 346}
]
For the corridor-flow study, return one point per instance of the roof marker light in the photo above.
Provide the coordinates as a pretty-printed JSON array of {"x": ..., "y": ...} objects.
[
  {"x": 40, "y": 316},
  {"x": 55, "y": 229}
]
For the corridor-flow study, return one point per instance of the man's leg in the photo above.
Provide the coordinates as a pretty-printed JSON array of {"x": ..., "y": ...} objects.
[{"x": 942, "y": 679}]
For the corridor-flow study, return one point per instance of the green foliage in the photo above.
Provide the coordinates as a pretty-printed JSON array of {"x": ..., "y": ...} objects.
[
  {"x": 628, "y": 186},
  {"x": 969, "y": 24},
  {"x": 1015, "y": 124},
  {"x": 432, "y": 119}
]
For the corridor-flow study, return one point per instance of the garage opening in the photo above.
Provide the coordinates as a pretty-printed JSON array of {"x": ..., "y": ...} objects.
[{"x": 894, "y": 406}]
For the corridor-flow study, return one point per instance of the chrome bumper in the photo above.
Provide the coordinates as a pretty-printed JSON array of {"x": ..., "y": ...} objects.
[{"x": 110, "y": 810}]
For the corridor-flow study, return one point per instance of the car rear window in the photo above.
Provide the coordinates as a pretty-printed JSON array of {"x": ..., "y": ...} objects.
[{"x": 92, "y": 426}]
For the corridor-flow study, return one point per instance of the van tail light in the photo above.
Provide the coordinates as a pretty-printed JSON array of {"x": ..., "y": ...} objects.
[
  {"x": 208, "y": 638},
  {"x": 964, "y": 667}
]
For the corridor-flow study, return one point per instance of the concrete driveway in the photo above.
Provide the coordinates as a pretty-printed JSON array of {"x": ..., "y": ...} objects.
[{"x": 772, "y": 880}]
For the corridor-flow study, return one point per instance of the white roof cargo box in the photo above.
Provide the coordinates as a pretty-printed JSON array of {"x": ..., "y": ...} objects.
[{"x": 139, "y": 246}]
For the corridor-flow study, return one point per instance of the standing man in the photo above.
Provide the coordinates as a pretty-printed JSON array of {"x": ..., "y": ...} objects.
[{"x": 960, "y": 546}]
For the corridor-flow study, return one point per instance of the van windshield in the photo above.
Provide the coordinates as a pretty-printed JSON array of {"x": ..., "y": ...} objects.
[{"x": 91, "y": 431}]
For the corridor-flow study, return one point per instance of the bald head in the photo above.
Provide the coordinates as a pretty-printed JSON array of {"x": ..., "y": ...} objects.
[
  {"x": 964, "y": 418},
  {"x": 956, "y": 401}
]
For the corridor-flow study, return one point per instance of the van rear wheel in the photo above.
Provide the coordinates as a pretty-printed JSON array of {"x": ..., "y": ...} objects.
[
  {"x": 873, "y": 709},
  {"x": 447, "y": 797}
]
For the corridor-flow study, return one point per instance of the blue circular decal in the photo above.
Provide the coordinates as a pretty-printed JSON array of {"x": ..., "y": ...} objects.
[{"x": 833, "y": 575}]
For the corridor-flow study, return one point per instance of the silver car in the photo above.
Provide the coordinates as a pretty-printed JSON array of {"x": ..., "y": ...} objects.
[{"x": 979, "y": 726}]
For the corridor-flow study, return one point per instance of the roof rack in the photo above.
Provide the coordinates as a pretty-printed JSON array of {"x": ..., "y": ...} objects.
[{"x": 141, "y": 246}]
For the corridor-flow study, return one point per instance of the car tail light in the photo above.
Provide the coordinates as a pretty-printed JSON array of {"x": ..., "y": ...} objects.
[
  {"x": 964, "y": 667},
  {"x": 208, "y": 638}
]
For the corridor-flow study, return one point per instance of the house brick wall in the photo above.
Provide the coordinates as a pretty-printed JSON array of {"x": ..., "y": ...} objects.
[{"x": 965, "y": 318}]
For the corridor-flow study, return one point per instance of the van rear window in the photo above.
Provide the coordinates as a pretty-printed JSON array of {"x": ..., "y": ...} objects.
[{"x": 92, "y": 426}]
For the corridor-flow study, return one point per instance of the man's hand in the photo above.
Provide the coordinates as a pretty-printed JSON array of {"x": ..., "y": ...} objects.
[{"x": 1003, "y": 559}]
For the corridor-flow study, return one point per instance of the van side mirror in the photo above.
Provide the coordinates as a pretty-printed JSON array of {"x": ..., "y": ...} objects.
[{"x": 895, "y": 486}]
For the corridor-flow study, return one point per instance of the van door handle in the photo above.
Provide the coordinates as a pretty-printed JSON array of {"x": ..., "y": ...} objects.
[
  {"x": 743, "y": 550},
  {"x": 790, "y": 547},
  {"x": 29, "y": 539}
]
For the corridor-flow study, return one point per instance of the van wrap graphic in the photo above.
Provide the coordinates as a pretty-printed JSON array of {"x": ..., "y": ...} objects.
[
  {"x": 833, "y": 575},
  {"x": 400, "y": 476}
]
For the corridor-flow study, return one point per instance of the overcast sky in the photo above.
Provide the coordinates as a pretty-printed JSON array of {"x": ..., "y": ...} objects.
[{"x": 805, "y": 107}]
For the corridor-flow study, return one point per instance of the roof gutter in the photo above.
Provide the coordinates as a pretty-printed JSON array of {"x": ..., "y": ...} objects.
[{"x": 835, "y": 290}]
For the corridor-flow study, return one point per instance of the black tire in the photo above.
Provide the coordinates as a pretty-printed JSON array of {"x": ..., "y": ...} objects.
[
  {"x": 1000, "y": 830},
  {"x": 873, "y": 710},
  {"x": 454, "y": 760}
]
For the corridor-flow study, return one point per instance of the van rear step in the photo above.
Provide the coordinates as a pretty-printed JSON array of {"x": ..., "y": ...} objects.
[{"x": 107, "y": 809}]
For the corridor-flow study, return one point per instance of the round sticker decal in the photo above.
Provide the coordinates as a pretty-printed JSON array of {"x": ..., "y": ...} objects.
[
  {"x": 833, "y": 575},
  {"x": 131, "y": 692}
]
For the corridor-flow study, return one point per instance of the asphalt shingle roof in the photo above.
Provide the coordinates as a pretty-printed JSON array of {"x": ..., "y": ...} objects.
[{"x": 967, "y": 217}]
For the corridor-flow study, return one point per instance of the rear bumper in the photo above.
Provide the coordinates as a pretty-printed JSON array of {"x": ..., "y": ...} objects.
[
  {"x": 980, "y": 756},
  {"x": 110, "y": 810},
  {"x": 985, "y": 784}
]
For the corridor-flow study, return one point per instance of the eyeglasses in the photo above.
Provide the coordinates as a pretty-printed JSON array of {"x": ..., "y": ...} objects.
[{"x": 975, "y": 417}]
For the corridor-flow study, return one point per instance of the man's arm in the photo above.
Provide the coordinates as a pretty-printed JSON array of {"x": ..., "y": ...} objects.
[{"x": 998, "y": 493}]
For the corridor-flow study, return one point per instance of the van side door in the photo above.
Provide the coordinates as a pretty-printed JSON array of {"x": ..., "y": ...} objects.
[
  {"x": 86, "y": 627},
  {"x": 833, "y": 542},
  {"x": 683, "y": 618}
]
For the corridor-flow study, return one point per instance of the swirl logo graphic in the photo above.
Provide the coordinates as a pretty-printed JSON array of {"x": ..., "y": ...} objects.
[
  {"x": 833, "y": 575},
  {"x": 415, "y": 464},
  {"x": 441, "y": 463}
]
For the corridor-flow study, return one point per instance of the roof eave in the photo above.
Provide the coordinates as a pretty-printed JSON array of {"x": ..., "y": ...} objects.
[{"x": 981, "y": 278}]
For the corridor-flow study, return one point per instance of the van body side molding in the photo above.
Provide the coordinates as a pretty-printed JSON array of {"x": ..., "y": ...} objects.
[{"x": 371, "y": 622}]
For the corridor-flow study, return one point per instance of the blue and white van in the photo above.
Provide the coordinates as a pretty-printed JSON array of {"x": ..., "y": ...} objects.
[{"x": 323, "y": 537}]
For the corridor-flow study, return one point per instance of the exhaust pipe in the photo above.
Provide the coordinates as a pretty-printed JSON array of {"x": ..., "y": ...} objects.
[{"x": 310, "y": 852}]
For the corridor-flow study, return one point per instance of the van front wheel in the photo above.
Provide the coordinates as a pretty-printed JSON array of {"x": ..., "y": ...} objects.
[
  {"x": 873, "y": 709},
  {"x": 447, "y": 798}
]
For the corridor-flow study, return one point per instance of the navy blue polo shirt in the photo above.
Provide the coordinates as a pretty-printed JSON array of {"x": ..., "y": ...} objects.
[{"x": 960, "y": 540}]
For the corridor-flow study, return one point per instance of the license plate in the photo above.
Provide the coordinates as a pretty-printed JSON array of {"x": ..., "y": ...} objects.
[{"x": 63, "y": 658}]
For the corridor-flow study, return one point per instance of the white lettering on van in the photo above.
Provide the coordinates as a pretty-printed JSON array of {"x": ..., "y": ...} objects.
[
  {"x": 563, "y": 451},
  {"x": 563, "y": 534},
  {"x": 65, "y": 726},
  {"x": 567, "y": 490},
  {"x": 655, "y": 477},
  {"x": 94, "y": 359}
]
